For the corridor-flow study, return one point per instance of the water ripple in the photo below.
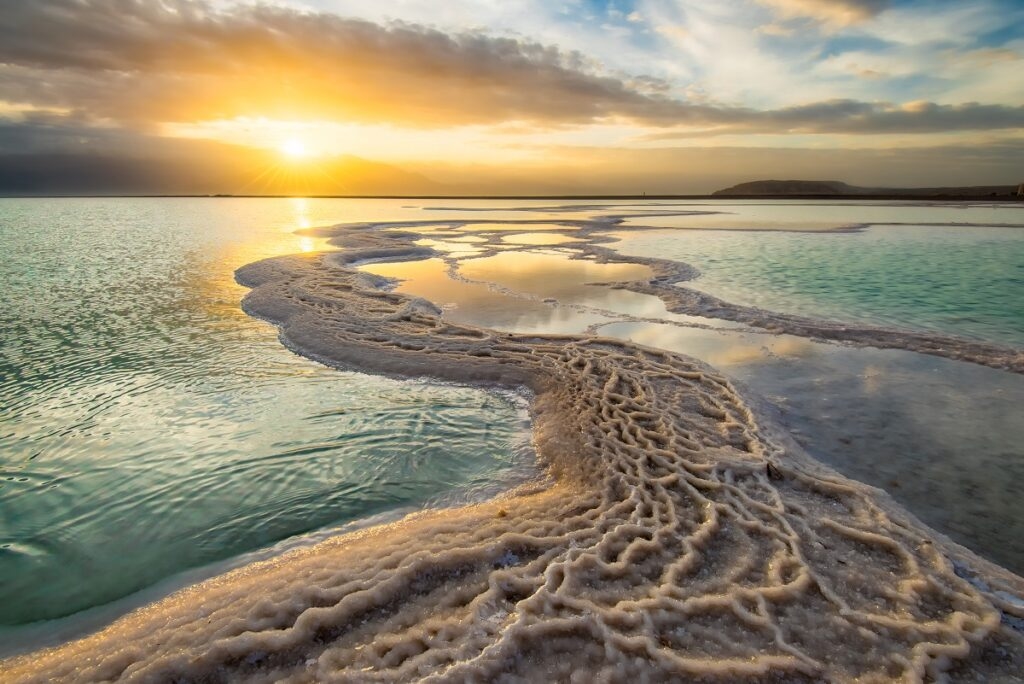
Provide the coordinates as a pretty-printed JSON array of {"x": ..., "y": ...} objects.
[{"x": 148, "y": 426}]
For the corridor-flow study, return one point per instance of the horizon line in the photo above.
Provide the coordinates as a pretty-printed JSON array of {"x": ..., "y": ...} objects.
[{"x": 880, "y": 196}]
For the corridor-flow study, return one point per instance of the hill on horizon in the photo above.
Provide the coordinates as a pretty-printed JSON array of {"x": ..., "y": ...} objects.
[
  {"x": 202, "y": 168},
  {"x": 831, "y": 188}
]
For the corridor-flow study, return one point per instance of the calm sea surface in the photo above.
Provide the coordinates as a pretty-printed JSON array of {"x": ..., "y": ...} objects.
[{"x": 149, "y": 427}]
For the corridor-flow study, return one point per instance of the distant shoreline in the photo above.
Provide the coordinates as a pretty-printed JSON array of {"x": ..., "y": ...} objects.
[{"x": 722, "y": 198}]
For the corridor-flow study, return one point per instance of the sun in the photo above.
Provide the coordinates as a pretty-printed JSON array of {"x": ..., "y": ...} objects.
[{"x": 294, "y": 148}]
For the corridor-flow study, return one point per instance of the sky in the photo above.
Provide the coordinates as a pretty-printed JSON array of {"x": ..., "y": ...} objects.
[{"x": 510, "y": 97}]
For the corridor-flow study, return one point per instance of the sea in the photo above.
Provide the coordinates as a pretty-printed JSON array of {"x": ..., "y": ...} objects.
[{"x": 152, "y": 434}]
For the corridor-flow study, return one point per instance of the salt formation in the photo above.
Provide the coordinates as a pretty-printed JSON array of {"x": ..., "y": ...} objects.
[{"x": 678, "y": 541}]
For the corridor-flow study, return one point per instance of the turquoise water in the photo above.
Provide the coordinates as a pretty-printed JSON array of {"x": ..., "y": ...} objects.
[
  {"x": 148, "y": 426},
  {"x": 961, "y": 280}
]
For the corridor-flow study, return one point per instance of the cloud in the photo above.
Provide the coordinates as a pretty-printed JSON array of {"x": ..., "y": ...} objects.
[
  {"x": 851, "y": 116},
  {"x": 855, "y": 117},
  {"x": 832, "y": 12},
  {"x": 142, "y": 64},
  {"x": 184, "y": 61}
]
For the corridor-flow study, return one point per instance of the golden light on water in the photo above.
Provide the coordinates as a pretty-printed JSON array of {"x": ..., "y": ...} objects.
[
  {"x": 301, "y": 216},
  {"x": 300, "y": 205}
]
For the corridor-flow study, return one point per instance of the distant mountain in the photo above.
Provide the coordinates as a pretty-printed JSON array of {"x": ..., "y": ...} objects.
[
  {"x": 830, "y": 188},
  {"x": 790, "y": 187},
  {"x": 203, "y": 168}
]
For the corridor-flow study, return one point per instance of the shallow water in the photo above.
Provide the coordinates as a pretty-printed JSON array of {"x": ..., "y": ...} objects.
[
  {"x": 499, "y": 227},
  {"x": 467, "y": 302},
  {"x": 538, "y": 239},
  {"x": 798, "y": 215},
  {"x": 149, "y": 426},
  {"x": 961, "y": 280},
  {"x": 942, "y": 437},
  {"x": 135, "y": 389}
]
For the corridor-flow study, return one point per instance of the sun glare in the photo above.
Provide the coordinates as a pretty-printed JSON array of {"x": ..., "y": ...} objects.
[{"x": 294, "y": 148}]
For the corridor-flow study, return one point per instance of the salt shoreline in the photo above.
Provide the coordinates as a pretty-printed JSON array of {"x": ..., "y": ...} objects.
[{"x": 673, "y": 543}]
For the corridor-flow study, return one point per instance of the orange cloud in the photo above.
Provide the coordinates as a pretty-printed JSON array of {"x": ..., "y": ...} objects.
[
  {"x": 833, "y": 12},
  {"x": 184, "y": 61},
  {"x": 147, "y": 63}
]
